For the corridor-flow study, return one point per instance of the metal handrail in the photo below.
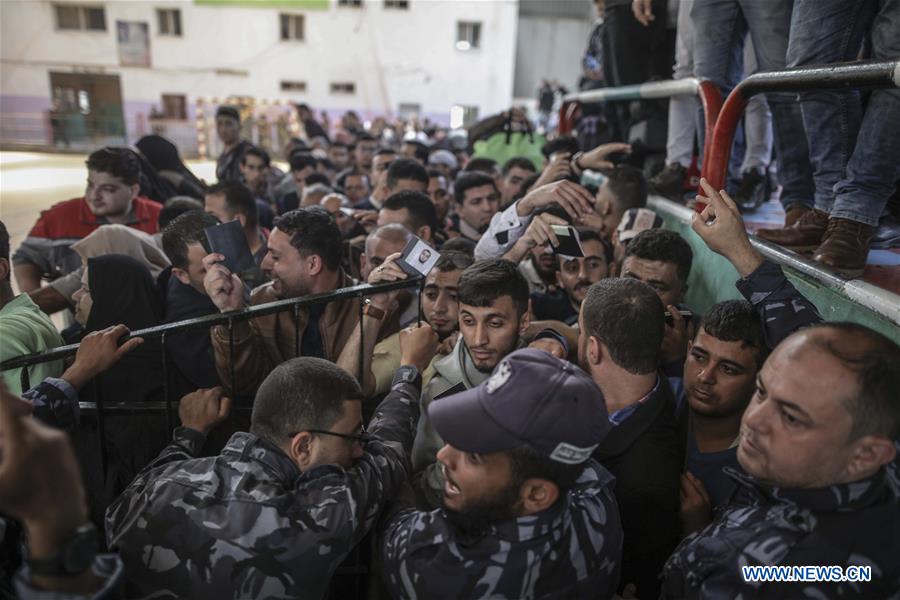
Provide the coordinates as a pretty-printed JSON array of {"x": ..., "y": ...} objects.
[
  {"x": 710, "y": 97},
  {"x": 208, "y": 321},
  {"x": 855, "y": 75},
  {"x": 654, "y": 89},
  {"x": 878, "y": 300}
]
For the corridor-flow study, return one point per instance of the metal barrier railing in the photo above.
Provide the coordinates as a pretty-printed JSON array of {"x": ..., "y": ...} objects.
[
  {"x": 708, "y": 92},
  {"x": 710, "y": 99},
  {"x": 855, "y": 75},
  {"x": 205, "y": 322}
]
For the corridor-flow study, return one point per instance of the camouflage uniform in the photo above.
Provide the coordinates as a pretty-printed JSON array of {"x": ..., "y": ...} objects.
[
  {"x": 247, "y": 523},
  {"x": 571, "y": 550},
  {"x": 856, "y": 523}
]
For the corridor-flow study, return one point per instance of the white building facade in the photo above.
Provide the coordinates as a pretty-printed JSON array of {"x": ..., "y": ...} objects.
[{"x": 81, "y": 73}]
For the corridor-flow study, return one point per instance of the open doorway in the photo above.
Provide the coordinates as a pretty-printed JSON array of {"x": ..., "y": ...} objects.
[{"x": 86, "y": 110}]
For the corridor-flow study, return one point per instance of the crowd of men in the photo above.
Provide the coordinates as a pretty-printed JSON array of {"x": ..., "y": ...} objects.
[{"x": 523, "y": 422}]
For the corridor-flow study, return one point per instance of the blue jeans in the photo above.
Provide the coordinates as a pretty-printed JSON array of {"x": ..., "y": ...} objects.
[
  {"x": 855, "y": 152},
  {"x": 721, "y": 26}
]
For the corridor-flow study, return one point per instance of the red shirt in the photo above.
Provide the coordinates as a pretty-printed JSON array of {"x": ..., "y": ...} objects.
[{"x": 74, "y": 219}]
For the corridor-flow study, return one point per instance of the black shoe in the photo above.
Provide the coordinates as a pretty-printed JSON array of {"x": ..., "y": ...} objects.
[
  {"x": 755, "y": 189},
  {"x": 669, "y": 182}
]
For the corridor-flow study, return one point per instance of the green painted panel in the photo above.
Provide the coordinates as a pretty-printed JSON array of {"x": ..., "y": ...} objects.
[
  {"x": 712, "y": 280},
  {"x": 295, "y": 4}
]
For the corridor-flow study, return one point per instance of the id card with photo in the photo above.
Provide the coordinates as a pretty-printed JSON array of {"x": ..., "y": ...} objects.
[
  {"x": 569, "y": 241},
  {"x": 418, "y": 258}
]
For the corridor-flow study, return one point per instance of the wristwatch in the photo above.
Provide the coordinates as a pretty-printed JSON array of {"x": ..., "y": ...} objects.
[
  {"x": 74, "y": 557},
  {"x": 407, "y": 374},
  {"x": 371, "y": 310}
]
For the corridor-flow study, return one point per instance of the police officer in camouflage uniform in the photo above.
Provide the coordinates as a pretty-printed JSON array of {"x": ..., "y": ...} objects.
[
  {"x": 818, "y": 446},
  {"x": 527, "y": 512},
  {"x": 277, "y": 511}
]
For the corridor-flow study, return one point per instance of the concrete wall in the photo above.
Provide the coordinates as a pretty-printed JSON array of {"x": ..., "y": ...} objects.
[
  {"x": 394, "y": 56},
  {"x": 549, "y": 47}
]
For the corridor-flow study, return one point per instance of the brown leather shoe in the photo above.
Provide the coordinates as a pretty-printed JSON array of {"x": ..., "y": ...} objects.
[
  {"x": 793, "y": 214},
  {"x": 804, "y": 234},
  {"x": 845, "y": 247}
]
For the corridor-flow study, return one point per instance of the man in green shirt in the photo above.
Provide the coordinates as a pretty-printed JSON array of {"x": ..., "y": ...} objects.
[{"x": 23, "y": 328}]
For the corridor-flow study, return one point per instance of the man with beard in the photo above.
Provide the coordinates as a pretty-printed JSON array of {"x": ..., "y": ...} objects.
[
  {"x": 662, "y": 259},
  {"x": 440, "y": 309},
  {"x": 339, "y": 155},
  {"x": 526, "y": 512},
  {"x": 574, "y": 277},
  {"x": 621, "y": 330},
  {"x": 304, "y": 256},
  {"x": 493, "y": 316}
]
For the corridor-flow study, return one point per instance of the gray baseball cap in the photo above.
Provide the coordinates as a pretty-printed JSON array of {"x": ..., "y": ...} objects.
[{"x": 531, "y": 399}]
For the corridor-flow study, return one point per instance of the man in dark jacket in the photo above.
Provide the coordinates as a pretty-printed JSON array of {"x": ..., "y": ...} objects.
[
  {"x": 621, "y": 330},
  {"x": 185, "y": 297}
]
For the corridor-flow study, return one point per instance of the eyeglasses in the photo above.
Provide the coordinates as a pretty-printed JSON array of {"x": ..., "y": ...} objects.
[{"x": 362, "y": 438}]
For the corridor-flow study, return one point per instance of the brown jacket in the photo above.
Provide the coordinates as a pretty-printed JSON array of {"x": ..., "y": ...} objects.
[{"x": 263, "y": 343}]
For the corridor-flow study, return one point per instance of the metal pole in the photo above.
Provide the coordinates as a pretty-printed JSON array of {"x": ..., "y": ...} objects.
[
  {"x": 851, "y": 76},
  {"x": 101, "y": 426},
  {"x": 362, "y": 358},
  {"x": 166, "y": 395},
  {"x": 209, "y": 321}
]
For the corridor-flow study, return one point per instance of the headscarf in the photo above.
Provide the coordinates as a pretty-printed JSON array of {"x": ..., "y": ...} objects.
[
  {"x": 121, "y": 239},
  {"x": 163, "y": 156},
  {"x": 123, "y": 291}
]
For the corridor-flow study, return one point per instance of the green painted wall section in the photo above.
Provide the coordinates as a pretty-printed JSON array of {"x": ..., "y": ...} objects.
[{"x": 712, "y": 280}]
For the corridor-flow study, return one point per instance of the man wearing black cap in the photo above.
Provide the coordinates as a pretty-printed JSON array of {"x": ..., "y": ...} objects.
[
  {"x": 228, "y": 128},
  {"x": 527, "y": 512}
]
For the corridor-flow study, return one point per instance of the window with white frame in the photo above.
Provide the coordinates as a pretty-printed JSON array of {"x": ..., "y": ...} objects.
[
  {"x": 350, "y": 3},
  {"x": 169, "y": 21},
  {"x": 79, "y": 17},
  {"x": 292, "y": 27},
  {"x": 468, "y": 35},
  {"x": 398, "y": 4}
]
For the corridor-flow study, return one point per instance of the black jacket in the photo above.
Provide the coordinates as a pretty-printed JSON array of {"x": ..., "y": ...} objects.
[{"x": 644, "y": 455}]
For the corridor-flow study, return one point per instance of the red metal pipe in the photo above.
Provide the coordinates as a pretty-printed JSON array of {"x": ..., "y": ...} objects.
[
  {"x": 711, "y": 99},
  {"x": 732, "y": 111},
  {"x": 567, "y": 117}
]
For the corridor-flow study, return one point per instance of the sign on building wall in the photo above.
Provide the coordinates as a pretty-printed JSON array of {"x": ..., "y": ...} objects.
[{"x": 134, "y": 43}]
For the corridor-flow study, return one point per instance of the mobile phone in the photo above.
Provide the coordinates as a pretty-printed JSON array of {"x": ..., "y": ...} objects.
[
  {"x": 228, "y": 239},
  {"x": 686, "y": 315},
  {"x": 569, "y": 241},
  {"x": 418, "y": 258}
]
